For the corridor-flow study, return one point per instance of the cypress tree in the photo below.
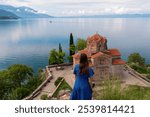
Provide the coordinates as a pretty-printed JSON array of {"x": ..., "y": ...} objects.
[
  {"x": 60, "y": 48},
  {"x": 72, "y": 46}
]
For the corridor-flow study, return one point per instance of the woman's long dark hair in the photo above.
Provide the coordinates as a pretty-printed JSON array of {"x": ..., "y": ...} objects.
[{"x": 84, "y": 64}]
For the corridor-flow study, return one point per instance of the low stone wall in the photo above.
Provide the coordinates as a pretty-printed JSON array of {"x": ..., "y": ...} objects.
[
  {"x": 38, "y": 90},
  {"x": 51, "y": 95},
  {"x": 137, "y": 75},
  {"x": 117, "y": 70},
  {"x": 64, "y": 64},
  {"x": 48, "y": 79}
]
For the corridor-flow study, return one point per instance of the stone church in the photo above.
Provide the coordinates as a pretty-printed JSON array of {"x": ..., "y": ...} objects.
[{"x": 106, "y": 62}]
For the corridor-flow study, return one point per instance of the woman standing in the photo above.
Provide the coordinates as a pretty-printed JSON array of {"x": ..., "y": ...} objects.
[{"x": 83, "y": 73}]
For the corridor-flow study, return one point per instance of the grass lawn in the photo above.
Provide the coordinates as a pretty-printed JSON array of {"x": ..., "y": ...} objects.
[
  {"x": 113, "y": 90},
  {"x": 64, "y": 85}
]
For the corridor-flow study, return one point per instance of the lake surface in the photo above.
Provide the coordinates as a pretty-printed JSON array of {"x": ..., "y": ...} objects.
[{"x": 28, "y": 41}]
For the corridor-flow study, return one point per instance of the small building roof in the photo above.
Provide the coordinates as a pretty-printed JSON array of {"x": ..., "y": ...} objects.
[
  {"x": 114, "y": 52},
  {"x": 85, "y": 51},
  {"x": 108, "y": 53},
  {"x": 118, "y": 62},
  {"x": 77, "y": 55},
  {"x": 99, "y": 54}
]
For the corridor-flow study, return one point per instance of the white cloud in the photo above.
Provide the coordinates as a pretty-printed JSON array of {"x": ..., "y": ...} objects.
[{"x": 84, "y": 7}]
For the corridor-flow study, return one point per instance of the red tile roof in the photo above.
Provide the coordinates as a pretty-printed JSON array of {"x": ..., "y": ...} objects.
[
  {"x": 85, "y": 51},
  {"x": 114, "y": 52},
  {"x": 118, "y": 62},
  {"x": 97, "y": 38},
  {"x": 108, "y": 53},
  {"x": 99, "y": 54},
  {"x": 77, "y": 55}
]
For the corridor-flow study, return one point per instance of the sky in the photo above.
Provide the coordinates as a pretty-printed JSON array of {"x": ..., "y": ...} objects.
[{"x": 83, "y": 7}]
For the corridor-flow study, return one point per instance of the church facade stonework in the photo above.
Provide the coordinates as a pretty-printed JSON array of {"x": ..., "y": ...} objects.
[{"x": 106, "y": 62}]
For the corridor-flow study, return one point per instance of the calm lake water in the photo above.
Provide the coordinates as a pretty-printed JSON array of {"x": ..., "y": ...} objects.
[{"x": 29, "y": 41}]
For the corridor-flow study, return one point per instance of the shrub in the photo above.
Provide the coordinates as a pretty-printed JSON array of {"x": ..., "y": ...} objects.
[
  {"x": 136, "y": 58},
  {"x": 148, "y": 76},
  {"x": 19, "y": 93},
  {"x": 112, "y": 90},
  {"x": 140, "y": 69},
  {"x": 64, "y": 86},
  {"x": 58, "y": 81},
  {"x": 44, "y": 97},
  {"x": 33, "y": 83}
]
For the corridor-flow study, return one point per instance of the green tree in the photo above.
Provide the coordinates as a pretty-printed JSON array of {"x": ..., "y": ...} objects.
[
  {"x": 81, "y": 44},
  {"x": 71, "y": 45},
  {"x": 61, "y": 55},
  {"x": 19, "y": 93},
  {"x": 70, "y": 58},
  {"x": 138, "y": 68},
  {"x": 60, "y": 48},
  {"x": 40, "y": 70},
  {"x": 55, "y": 57},
  {"x": 33, "y": 83},
  {"x": 72, "y": 49},
  {"x": 17, "y": 82},
  {"x": 136, "y": 58},
  {"x": 4, "y": 91},
  {"x": 19, "y": 74}
]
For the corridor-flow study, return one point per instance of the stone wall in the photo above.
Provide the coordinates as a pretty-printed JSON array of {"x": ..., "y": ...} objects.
[
  {"x": 101, "y": 68},
  {"x": 117, "y": 70}
]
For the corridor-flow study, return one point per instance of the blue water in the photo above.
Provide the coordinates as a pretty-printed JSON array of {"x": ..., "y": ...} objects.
[{"x": 28, "y": 41}]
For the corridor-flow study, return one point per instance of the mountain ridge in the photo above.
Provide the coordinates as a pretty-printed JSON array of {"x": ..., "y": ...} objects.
[
  {"x": 23, "y": 12},
  {"x": 7, "y": 15}
]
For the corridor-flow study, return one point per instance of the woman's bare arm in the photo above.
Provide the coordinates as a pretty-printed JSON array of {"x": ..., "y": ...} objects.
[
  {"x": 92, "y": 83},
  {"x": 91, "y": 80}
]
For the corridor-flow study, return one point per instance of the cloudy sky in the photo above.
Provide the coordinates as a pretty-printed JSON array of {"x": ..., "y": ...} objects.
[{"x": 83, "y": 7}]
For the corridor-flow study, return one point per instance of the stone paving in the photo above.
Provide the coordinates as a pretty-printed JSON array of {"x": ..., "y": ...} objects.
[
  {"x": 70, "y": 78},
  {"x": 50, "y": 87},
  {"x": 132, "y": 80},
  {"x": 67, "y": 73}
]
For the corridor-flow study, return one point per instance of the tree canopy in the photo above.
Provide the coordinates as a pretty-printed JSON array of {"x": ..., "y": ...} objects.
[
  {"x": 20, "y": 73},
  {"x": 136, "y": 58},
  {"x": 17, "y": 82},
  {"x": 56, "y": 57},
  {"x": 81, "y": 44},
  {"x": 53, "y": 57}
]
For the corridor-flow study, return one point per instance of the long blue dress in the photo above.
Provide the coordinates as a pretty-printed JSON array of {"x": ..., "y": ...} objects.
[{"x": 82, "y": 89}]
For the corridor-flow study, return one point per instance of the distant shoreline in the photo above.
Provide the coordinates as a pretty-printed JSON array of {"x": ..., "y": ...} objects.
[{"x": 109, "y": 16}]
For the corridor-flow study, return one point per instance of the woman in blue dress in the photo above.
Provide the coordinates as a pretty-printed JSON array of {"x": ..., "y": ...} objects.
[{"x": 83, "y": 73}]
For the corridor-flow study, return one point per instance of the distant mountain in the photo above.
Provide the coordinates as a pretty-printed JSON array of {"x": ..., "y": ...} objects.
[
  {"x": 111, "y": 16},
  {"x": 7, "y": 15},
  {"x": 24, "y": 12},
  {"x": 122, "y": 15}
]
